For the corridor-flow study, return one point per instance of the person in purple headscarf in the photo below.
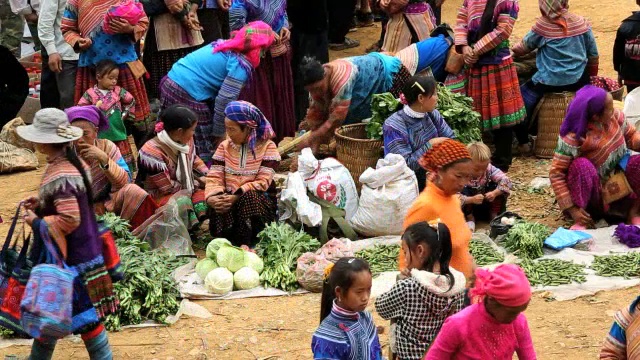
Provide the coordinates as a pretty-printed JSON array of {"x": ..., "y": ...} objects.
[
  {"x": 110, "y": 176},
  {"x": 240, "y": 187},
  {"x": 595, "y": 143}
]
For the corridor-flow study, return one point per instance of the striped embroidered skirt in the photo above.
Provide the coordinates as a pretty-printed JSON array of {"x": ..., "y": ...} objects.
[
  {"x": 127, "y": 154},
  {"x": 496, "y": 95},
  {"x": 86, "y": 79},
  {"x": 419, "y": 17},
  {"x": 270, "y": 89},
  {"x": 171, "y": 93}
]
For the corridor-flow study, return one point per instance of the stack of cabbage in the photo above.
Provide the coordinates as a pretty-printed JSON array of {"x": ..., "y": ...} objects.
[{"x": 227, "y": 267}]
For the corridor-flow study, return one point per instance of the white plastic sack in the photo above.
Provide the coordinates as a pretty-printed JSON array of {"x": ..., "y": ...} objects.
[
  {"x": 295, "y": 205},
  {"x": 329, "y": 180},
  {"x": 632, "y": 107},
  {"x": 387, "y": 194}
]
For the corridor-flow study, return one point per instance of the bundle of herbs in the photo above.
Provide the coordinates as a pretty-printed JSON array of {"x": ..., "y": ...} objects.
[
  {"x": 382, "y": 106},
  {"x": 457, "y": 110},
  {"x": 148, "y": 290},
  {"x": 525, "y": 239},
  {"x": 280, "y": 246}
]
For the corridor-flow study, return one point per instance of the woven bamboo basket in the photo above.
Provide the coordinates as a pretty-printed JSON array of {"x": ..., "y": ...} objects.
[
  {"x": 355, "y": 151},
  {"x": 550, "y": 111},
  {"x": 618, "y": 94}
]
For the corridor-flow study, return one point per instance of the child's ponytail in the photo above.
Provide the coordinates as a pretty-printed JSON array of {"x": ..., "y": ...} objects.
[
  {"x": 446, "y": 250},
  {"x": 437, "y": 238},
  {"x": 339, "y": 275}
]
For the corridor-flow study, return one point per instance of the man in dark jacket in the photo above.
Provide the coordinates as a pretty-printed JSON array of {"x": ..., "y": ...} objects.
[
  {"x": 14, "y": 86},
  {"x": 626, "y": 51}
]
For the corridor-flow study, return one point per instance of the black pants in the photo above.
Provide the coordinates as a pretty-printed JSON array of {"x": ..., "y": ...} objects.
[
  {"x": 57, "y": 89},
  {"x": 437, "y": 11},
  {"x": 340, "y": 19},
  {"x": 503, "y": 141},
  {"x": 305, "y": 44}
]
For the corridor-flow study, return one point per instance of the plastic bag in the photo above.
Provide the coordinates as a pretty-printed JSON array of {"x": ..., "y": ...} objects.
[
  {"x": 335, "y": 249},
  {"x": 168, "y": 228},
  {"x": 294, "y": 204},
  {"x": 387, "y": 194},
  {"x": 310, "y": 271},
  {"x": 563, "y": 238},
  {"x": 329, "y": 180}
]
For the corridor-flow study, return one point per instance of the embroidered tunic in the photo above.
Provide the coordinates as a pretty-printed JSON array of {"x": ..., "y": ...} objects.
[
  {"x": 604, "y": 147},
  {"x": 114, "y": 104},
  {"x": 408, "y": 132},
  {"x": 346, "y": 335}
]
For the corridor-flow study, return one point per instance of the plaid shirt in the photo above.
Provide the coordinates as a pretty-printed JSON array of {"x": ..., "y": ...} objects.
[{"x": 419, "y": 310}]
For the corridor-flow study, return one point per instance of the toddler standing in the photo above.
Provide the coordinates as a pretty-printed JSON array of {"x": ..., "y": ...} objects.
[{"x": 116, "y": 103}]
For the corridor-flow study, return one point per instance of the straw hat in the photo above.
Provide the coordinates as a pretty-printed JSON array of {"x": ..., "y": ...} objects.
[{"x": 50, "y": 126}]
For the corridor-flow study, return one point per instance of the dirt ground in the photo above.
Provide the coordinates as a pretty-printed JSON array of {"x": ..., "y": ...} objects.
[{"x": 281, "y": 328}]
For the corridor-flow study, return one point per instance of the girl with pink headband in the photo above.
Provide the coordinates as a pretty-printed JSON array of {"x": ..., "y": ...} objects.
[{"x": 494, "y": 327}]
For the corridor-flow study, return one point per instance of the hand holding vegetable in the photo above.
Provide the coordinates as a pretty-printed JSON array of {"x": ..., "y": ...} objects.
[{"x": 492, "y": 195}]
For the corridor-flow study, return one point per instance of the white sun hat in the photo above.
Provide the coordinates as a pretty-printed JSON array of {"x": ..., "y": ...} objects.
[{"x": 50, "y": 126}]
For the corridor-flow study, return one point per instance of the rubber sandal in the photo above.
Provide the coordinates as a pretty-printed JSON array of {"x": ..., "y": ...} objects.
[
  {"x": 635, "y": 220},
  {"x": 578, "y": 227}
]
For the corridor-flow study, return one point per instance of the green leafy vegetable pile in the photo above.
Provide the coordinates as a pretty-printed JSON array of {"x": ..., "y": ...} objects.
[
  {"x": 553, "y": 272},
  {"x": 625, "y": 265},
  {"x": 148, "y": 291},
  {"x": 280, "y": 247},
  {"x": 457, "y": 110},
  {"x": 484, "y": 254},
  {"x": 381, "y": 258},
  {"x": 525, "y": 239},
  {"x": 382, "y": 106}
]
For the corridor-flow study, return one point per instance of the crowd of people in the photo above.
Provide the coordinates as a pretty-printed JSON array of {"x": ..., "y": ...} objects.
[{"x": 233, "y": 77}]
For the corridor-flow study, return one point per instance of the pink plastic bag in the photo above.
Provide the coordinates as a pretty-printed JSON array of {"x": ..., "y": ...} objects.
[
  {"x": 128, "y": 10},
  {"x": 310, "y": 271}
]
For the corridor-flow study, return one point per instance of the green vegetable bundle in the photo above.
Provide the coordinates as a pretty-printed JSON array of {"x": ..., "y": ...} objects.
[
  {"x": 553, "y": 272},
  {"x": 525, "y": 239},
  {"x": 148, "y": 291},
  {"x": 484, "y": 254},
  {"x": 457, "y": 110},
  {"x": 625, "y": 265},
  {"x": 280, "y": 247},
  {"x": 381, "y": 258},
  {"x": 382, "y": 106}
]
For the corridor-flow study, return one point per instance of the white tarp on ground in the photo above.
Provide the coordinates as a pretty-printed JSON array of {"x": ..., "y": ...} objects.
[{"x": 603, "y": 244}]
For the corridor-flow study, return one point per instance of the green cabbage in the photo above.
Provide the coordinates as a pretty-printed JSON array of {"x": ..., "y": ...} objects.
[
  {"x": 230, "y": 257},
  {"x": 246, "y": 278},
  {"x": 204, "y": 266},
  {"x": 214, "y": 246},
  {"x": 253, "y": 261},
  {"x": 219, "y": 281}
]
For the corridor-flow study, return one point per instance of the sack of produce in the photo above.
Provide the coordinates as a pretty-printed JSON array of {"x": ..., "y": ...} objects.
[
  {"x": 310, "y": 271},
  {"x": 14, "y": 159},
  {"x": 329, "y": 180},
  {"x": 335, "y": 249},
  {"x": 387, "y": 194}
]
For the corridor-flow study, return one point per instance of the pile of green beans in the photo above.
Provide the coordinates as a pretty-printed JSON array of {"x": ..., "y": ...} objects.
[
  {"x": 525, "y": 239},
  {"x": 484, "y": 254},
  {"x": 381, "y": 258},
  {"x": 625, "y": 265},
  {"x": 553, "y": 272}
]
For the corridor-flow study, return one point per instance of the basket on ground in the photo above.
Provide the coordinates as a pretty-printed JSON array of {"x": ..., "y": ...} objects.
[
  {"x": 618, "y": 94},
  {"x": 550, "y": 112},
  {"x": 355, "y": 151}
]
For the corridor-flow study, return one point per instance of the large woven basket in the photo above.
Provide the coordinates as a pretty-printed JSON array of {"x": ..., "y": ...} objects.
[
  {"x": 355, "y": 151},
  {"x": 551, "y": 111}
]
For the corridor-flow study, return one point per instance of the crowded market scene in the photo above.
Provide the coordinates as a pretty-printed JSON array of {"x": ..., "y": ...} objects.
[{"x": 322, "y": 179}]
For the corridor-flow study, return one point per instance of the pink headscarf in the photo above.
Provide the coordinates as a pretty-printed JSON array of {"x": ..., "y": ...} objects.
[
  {"x": 249, "y": 41},
  {"x": 507, "y": 284}
]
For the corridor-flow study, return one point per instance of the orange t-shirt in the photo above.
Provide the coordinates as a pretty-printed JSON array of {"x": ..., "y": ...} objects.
[{"x": 433, "y": 204}]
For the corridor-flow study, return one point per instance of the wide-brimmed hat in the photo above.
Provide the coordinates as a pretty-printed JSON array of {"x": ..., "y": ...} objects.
[{"x": 50, "y": 126}]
